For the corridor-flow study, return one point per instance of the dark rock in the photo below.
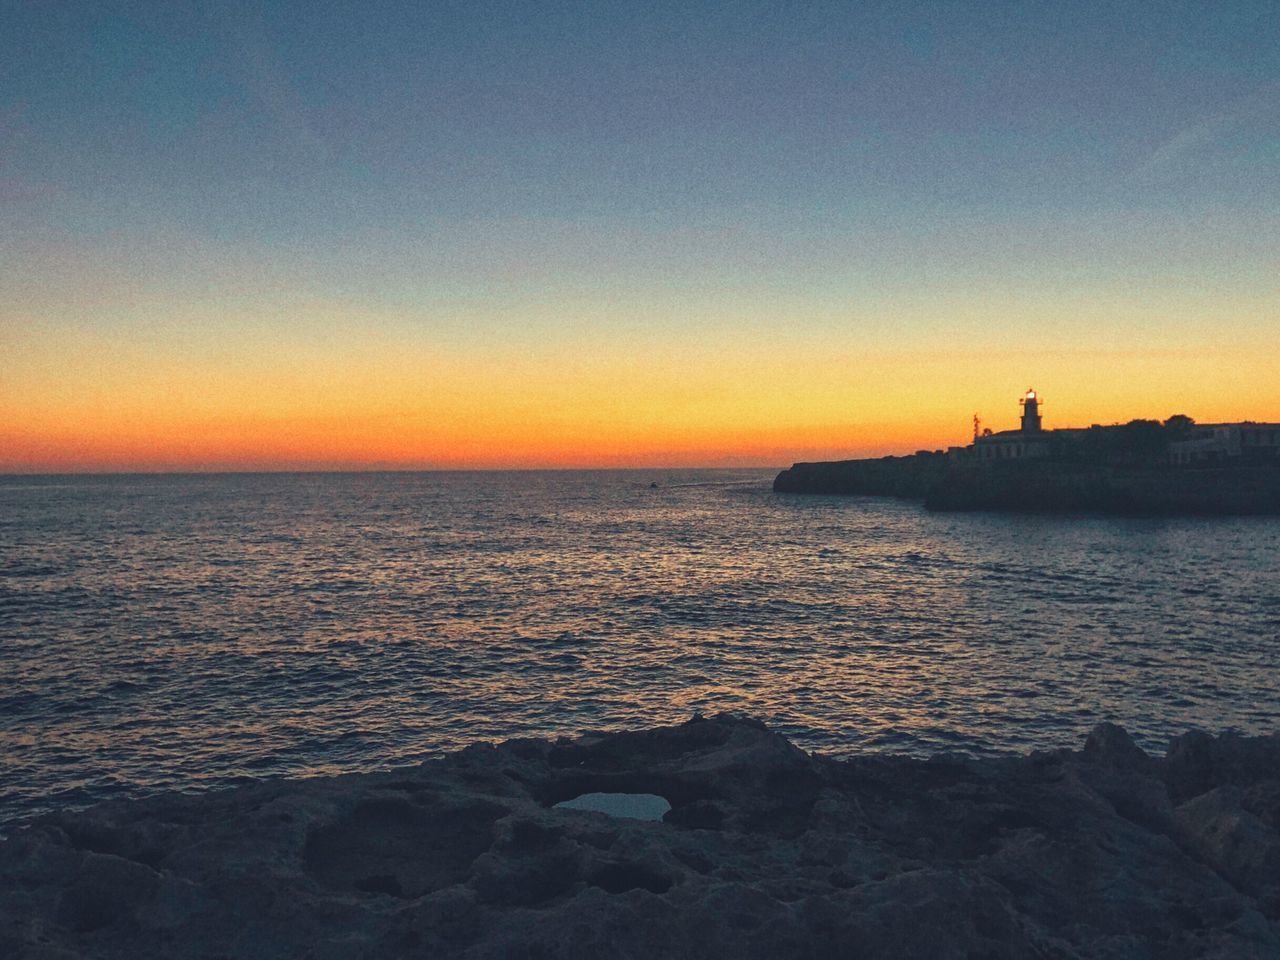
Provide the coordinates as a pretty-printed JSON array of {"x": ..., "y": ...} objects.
[
  {"x": 766, "y": 852},
  {"x": 394, "y": 845},
  {"x": 1197, "y": 762},
  {"x": 106, "y": 889},
  {"x": 619, "y": 876},
  {"x": 1110, "y": 744},
  {"x": 1218, "y": 829},
  {"x": 1189, "y": 765}
]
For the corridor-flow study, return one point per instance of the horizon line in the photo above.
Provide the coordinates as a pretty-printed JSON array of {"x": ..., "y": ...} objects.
[{"x": 4, "y": 475}]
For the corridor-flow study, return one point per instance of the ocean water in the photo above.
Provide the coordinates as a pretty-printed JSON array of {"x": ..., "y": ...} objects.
[{"x": 188, "y": 631}]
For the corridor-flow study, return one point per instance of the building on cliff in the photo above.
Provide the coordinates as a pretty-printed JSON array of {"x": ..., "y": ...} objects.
[
  {"x": 1179, "y": 441},
  {"x": 1029, "y": 441},
  {"x": 1219, "y": 442}
]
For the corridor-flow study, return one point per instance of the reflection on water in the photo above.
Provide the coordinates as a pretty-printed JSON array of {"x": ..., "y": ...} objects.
[{"x": 181, "y": 631}]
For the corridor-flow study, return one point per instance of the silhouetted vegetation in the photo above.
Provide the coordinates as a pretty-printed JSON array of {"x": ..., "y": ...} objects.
[
  {"x": 1178, "y": 427},
  {"x": 1135, "y": 442}
]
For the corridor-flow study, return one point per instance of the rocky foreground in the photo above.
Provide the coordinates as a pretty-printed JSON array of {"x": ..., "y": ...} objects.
[{"x": 765, "y": 852}]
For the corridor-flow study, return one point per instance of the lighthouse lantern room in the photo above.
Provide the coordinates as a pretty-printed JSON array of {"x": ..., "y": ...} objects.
[{"x": 1030, "y": 412}]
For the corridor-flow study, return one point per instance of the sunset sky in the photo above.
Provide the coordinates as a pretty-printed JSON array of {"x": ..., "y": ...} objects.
[{"x": 438, "y": 234}]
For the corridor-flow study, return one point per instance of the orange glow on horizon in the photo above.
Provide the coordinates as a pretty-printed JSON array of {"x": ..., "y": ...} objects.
[{"x": 762, "y": 402}]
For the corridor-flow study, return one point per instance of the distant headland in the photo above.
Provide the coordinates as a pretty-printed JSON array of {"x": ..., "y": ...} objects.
[{"x": 1175, "y": 466}]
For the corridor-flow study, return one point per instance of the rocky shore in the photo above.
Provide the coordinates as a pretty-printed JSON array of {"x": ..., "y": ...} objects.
[
  {"x": 765, "y": 851},
  {"x": 906, "y": 477}
]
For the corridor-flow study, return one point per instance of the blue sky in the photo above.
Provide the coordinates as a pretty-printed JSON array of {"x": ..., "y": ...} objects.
[{"x": 485, "y": 173}]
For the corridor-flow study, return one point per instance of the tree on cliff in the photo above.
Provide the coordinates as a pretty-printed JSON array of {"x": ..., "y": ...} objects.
[
  {"x": 1178, "y": 427},
  {"x": 1138, "y": 441}
]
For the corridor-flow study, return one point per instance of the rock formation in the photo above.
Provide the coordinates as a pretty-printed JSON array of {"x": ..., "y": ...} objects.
[
  {"x": 1045, "y": 486},
  {"x": 765, "y": 852}
]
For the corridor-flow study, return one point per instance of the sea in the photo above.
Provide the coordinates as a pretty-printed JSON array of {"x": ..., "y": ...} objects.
[{"x": 181, "y": 632}]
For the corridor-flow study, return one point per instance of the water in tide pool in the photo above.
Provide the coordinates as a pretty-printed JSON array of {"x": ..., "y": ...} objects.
[{"x": 186, "y": 631}]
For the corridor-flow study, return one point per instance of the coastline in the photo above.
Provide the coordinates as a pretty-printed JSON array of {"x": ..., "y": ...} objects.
[
  {"x": 766, "y": 851},
  {"x": 1045, "y": 486}
]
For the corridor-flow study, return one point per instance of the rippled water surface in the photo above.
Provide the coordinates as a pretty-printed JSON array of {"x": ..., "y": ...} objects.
[{"x": 186, "y": 631}]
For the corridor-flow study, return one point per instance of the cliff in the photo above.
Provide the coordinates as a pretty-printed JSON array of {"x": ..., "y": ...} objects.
[
  {"x": 908, "y": 477},
  {"x": 1046, "y": 486},
  {"x": 763, "y": 851}
]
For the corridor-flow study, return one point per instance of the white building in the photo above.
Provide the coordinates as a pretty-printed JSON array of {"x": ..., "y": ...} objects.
[
  {"x": 1027, "y": 442},
  {"x": 1214, "y": 442}
]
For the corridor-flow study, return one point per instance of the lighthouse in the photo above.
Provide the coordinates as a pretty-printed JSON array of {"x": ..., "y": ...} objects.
[
  {"x": 1030, "y": 412},
  {"x": 1030, "y": 440}
]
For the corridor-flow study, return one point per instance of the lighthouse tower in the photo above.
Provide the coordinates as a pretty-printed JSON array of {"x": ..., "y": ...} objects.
[{"x": 1030, "y": 412}]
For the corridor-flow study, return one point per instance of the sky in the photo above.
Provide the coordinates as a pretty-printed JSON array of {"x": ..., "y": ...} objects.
[{"x": 473, "y": 235}]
